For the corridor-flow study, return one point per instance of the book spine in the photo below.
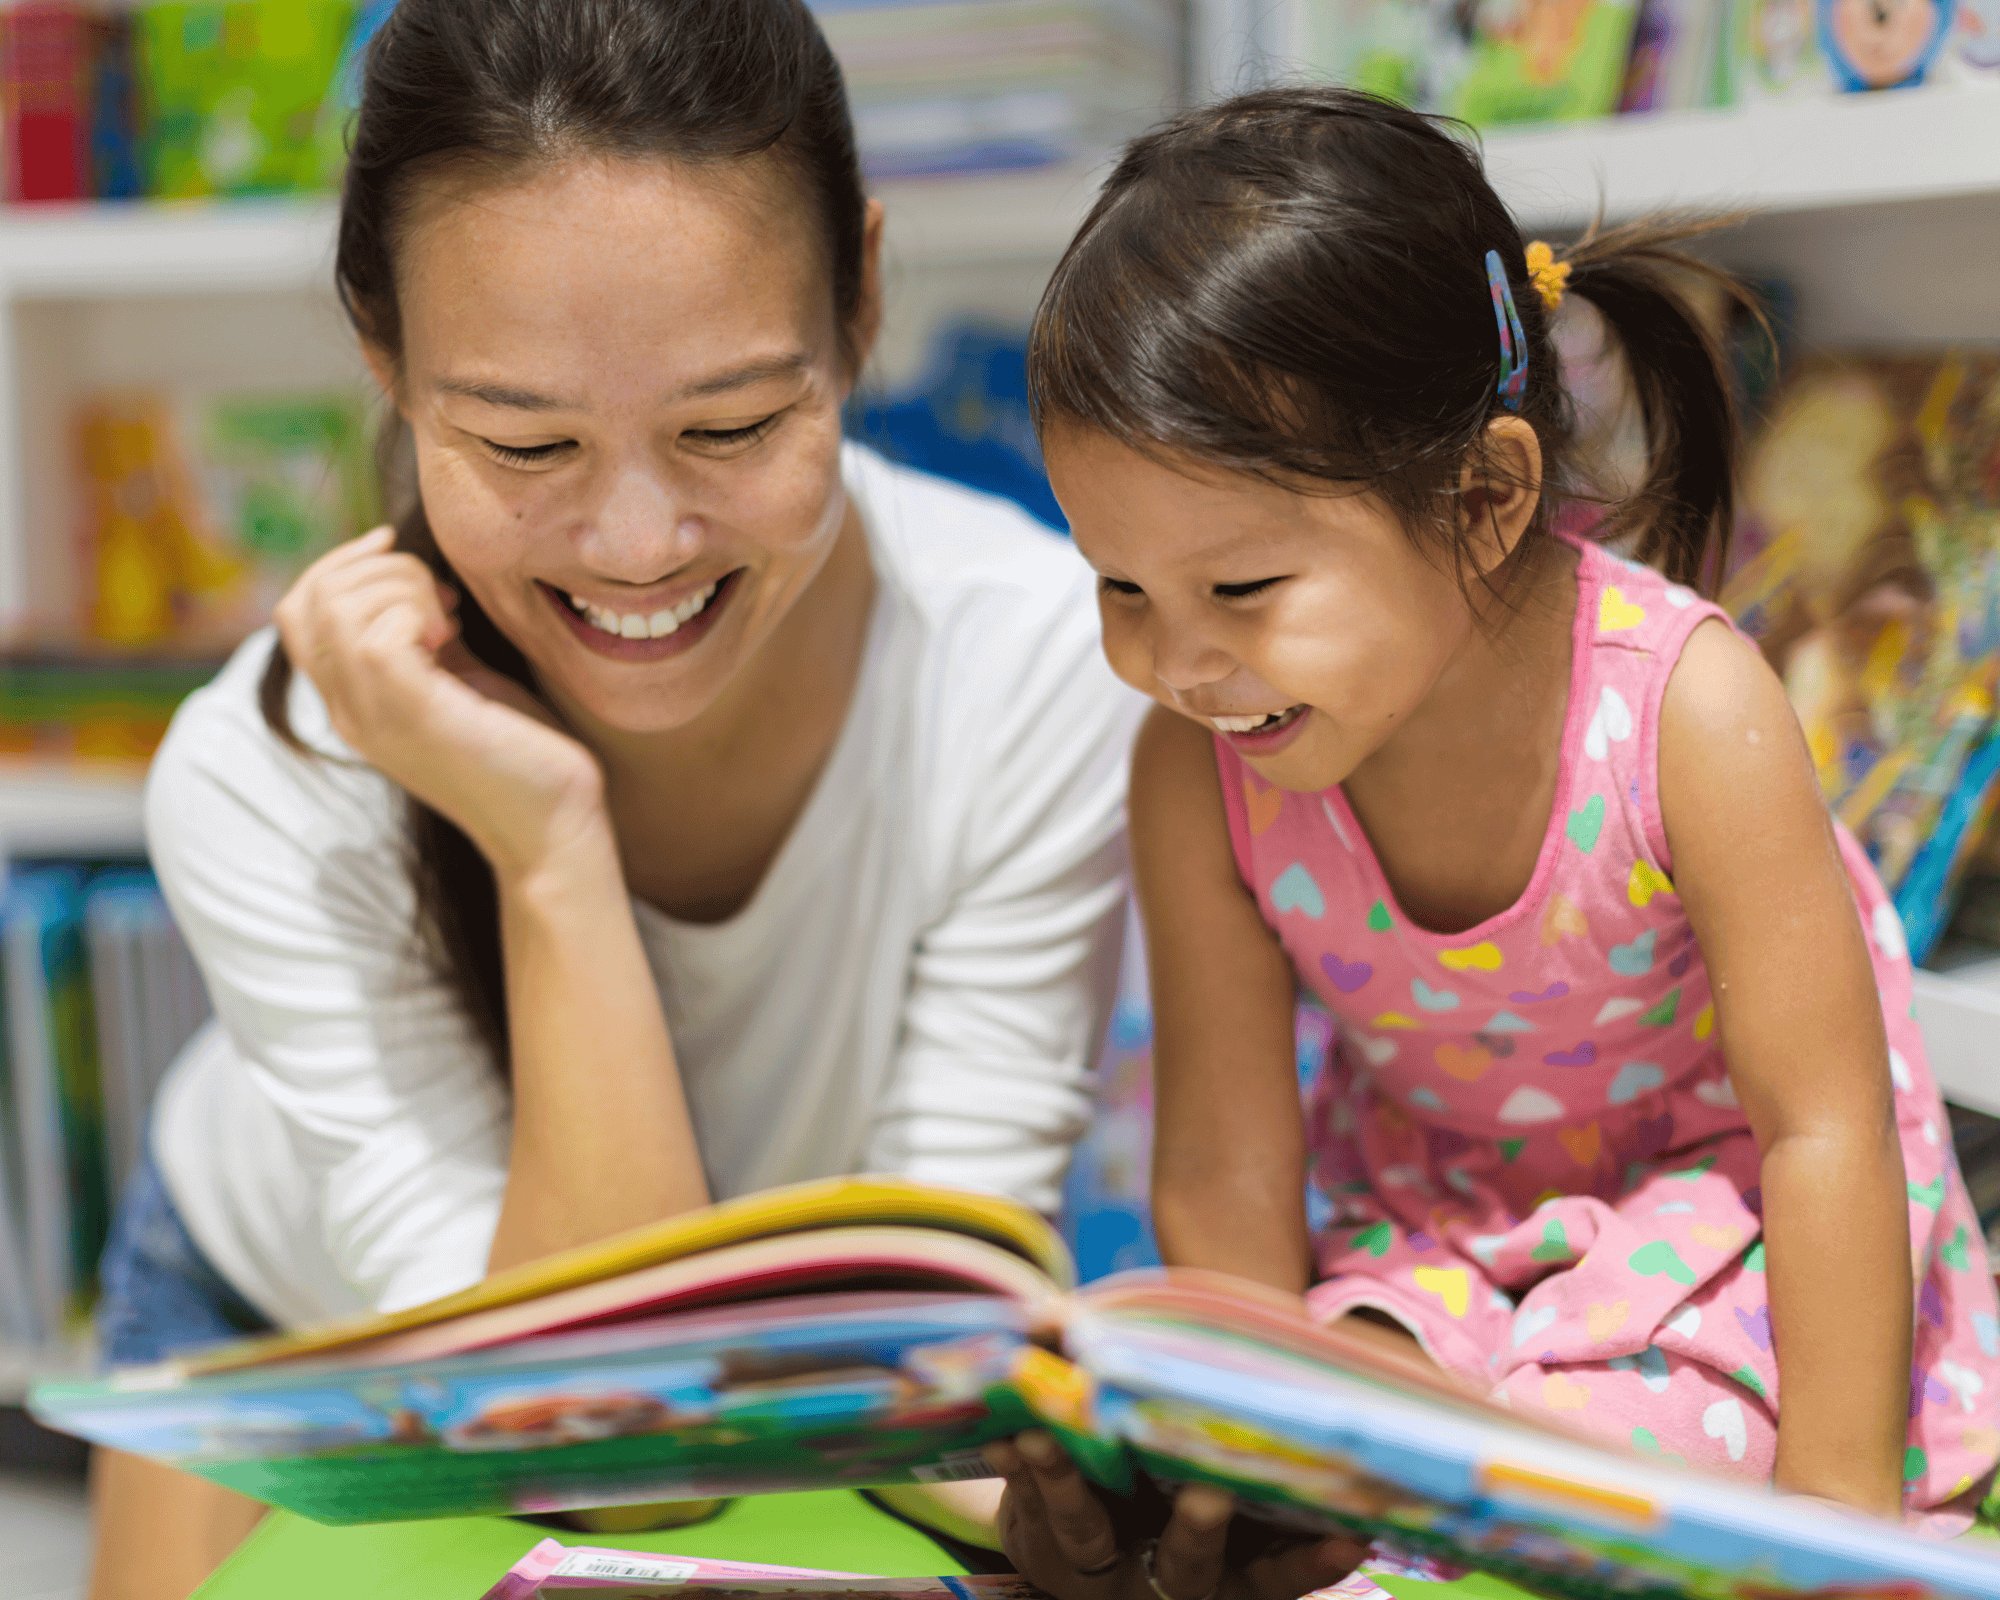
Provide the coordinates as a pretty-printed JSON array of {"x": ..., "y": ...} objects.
[{"x": 45, "y": 54}]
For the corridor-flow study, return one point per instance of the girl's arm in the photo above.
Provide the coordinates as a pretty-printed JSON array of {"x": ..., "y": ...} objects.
[
  {"x": 601, "y": 1137},
  {"x": 1757, "y": 866},
  {"x": 1229, "y": 1161}
]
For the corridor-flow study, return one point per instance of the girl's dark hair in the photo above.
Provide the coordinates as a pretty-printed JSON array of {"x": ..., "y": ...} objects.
[
  {"x": 1293, "y": 284},
  {"x": 504, "y": 86}
]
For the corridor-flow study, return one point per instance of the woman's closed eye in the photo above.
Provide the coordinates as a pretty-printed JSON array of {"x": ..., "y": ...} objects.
[
  {"x": 528, "y": 455},
  {"x": 727, "y": 439}
]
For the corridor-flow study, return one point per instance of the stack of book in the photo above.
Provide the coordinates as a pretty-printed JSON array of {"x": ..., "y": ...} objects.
[
  {"x": 952, "y": 86},
  {"x": 97, "y": 997}
]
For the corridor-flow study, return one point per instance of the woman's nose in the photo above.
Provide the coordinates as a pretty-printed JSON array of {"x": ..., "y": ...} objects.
[{"x": 641, "y": 531}]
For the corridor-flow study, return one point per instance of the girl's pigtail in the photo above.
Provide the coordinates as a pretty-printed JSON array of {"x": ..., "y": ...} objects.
[{"x": 1639, "y": 279}]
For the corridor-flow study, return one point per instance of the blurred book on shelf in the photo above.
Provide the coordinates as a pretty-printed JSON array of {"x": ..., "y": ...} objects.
[
  {"x": 178, "y": 99},
  {"x": 67, "y": 708},
  {"x": 1494, "y": 62},
  {"x": 1868, "y": 567},
  {"x": 195, "y": 512},
  {"x": 952, "y": 86},
  {"x": 97, "y": 997}
]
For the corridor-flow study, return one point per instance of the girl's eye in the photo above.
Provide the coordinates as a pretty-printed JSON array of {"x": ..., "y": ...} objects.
[
  {"x": 1119, "y": 586},
  {"x": 1243, "y": 591},
  {"x": 732, "y": 438},
  {"x": 528, "y": 455}
]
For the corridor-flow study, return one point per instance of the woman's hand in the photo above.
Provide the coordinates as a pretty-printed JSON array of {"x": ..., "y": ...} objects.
[
  {"x": 1061, "y": 1537},
  {"x": 377, "y": 635}
]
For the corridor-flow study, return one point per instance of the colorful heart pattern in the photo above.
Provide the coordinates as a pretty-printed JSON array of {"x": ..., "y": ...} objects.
[
  {"x": 1349, "y": 977},
  {"x": 1610, "y": 723},
  {"x": 1586, "y": 824},
  {"x": 1582, "y": 1026},
  {"x": 1482, "y": 957},
  {"x": 1297, "y": 890},
  {"x": 1261, "y": 806}
]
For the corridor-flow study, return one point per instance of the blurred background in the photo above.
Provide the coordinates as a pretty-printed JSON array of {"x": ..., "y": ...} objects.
[{"x": 184, "y": 422}]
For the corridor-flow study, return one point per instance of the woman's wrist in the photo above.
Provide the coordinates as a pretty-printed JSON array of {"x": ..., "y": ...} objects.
[{"x": 573, "y": 869}]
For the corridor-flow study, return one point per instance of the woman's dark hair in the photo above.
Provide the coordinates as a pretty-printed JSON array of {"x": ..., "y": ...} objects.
[
  {"x": 1293, "y": 284},
  {"x": 505, "y": 86}
]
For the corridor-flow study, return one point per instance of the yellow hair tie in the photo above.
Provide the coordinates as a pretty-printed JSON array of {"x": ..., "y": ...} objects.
[{"x": 1550, "y": 276}]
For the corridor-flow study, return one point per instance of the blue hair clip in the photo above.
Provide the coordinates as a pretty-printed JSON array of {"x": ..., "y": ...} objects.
[{"x": 1513, "y": 340}]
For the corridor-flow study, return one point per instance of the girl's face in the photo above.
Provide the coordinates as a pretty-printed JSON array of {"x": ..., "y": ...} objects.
[
  {"x": 1304, "y": 628},
  {"x": 624, "y": 378}
]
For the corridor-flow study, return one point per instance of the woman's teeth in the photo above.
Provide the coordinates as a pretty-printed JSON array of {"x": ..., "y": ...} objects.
[{"x": 657, "y": 625}]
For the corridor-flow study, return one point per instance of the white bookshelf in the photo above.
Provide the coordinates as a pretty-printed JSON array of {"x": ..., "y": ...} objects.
[{"x": 1847, "y": 153}]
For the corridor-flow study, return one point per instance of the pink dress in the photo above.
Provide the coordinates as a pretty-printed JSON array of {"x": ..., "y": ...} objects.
[{"x": 1532, "y": 1153}]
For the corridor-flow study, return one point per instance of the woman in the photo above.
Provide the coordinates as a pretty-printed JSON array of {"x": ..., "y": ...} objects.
[{"x": 677, "y": 802}]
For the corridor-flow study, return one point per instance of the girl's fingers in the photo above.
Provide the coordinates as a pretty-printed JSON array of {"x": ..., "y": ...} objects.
[
  {"x": 1303, "y": 1568},
  {"x": 1188, "y": 1561},
  {"x": 1078, "y": 1522}
]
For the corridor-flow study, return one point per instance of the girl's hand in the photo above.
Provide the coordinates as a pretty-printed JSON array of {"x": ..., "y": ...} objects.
[
  {"x": 377, "y": 635},
  {"x": 1061, "y": 1537}
]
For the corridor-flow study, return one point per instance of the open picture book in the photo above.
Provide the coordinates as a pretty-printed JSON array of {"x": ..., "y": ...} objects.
[{"x": 866, "y": 1332}]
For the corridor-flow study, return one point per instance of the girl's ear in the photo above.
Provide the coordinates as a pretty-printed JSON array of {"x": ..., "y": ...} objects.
[{"x": 1499, "y": 490}]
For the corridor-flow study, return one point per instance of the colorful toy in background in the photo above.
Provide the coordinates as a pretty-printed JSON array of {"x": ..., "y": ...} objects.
[
  {"x": 196, "y": 513},
  {"x": 966, "y": 417},
  {"x": 1883, "y": 44},
  {"x": 1869, "y": 569},
  {"x": 97, "y": 997},
  {"x": 178, "y": 99}
]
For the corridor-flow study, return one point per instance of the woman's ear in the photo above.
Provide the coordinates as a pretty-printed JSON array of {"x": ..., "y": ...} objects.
[
  {"x": 386, "y": 372},
  {"x": 1499, "y": 489},
  {"x": 867, "y": 324}
]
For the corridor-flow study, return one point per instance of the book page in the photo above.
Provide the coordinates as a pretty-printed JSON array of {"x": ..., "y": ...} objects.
[{"x": 798, "y": 1209}]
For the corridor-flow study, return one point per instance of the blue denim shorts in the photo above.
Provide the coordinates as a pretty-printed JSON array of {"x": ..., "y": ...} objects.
[{"x": 160, "y": 1296}]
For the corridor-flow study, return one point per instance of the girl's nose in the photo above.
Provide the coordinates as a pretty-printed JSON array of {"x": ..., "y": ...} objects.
[
  {"x": 641, "y": 531},
  {"x": 1184, "y": 662}
]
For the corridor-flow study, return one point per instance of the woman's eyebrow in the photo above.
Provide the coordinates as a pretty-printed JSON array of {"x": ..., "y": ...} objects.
[
  {"x": 501, "y": 394},
  {"x": 788, "y": 365}
]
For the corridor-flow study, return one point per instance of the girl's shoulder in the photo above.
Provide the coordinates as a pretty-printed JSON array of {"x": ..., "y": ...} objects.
[{"x": 1631, "y": 607}]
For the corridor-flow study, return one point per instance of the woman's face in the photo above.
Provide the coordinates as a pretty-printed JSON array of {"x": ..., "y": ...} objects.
[{"x": 624, "y": 378}]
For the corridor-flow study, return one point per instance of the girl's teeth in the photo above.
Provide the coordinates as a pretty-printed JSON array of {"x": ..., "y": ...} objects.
[
  {"x": 1263, "y": 724},
  {"x": 657, "y": 626}
]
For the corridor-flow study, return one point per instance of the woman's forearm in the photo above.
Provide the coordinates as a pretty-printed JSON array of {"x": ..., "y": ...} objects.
[
  {"x": 602, "y": 1140},
  {"x": 1836, "y": 1221}
]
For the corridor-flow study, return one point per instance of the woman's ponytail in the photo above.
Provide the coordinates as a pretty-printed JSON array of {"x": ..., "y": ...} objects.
[{"x": 1639, "y": 279}]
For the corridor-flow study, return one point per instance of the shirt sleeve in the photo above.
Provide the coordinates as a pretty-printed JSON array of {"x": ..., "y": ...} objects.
[
  {"x": 288, "y": 876},
  {"x": 1012, "y": 984}
]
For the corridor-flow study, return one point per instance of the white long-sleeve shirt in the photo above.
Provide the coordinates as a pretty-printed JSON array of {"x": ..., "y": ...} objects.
[{"x": 916, "y": 987}]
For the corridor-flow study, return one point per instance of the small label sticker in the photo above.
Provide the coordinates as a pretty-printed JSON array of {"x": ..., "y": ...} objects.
[
  {"x": 961, "y": 1468},
  {"x": 624, "y": 1568}
]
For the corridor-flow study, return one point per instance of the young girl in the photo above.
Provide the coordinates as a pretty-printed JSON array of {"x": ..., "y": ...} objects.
[{"x": 1628, "y": 1123}]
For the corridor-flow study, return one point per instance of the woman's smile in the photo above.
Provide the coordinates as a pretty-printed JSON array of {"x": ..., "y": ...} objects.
[{"x": 651, "y": 633}]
